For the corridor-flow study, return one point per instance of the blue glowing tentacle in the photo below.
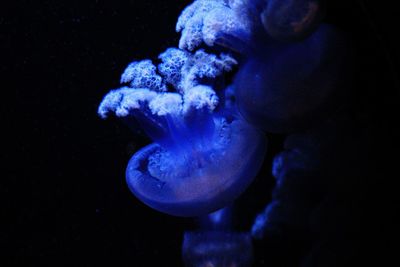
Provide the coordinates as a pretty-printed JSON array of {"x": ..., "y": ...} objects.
[
  {"x": 199, "y": 102},
  {"x": 204, "y": 20},
  {"x": 154, "y": 127},
  {"x": 183, "y": 141},
  {"x": 200, "y": 123}
]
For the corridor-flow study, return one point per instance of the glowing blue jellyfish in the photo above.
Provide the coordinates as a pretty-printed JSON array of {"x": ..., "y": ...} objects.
[{"x": 204, "y": 155}]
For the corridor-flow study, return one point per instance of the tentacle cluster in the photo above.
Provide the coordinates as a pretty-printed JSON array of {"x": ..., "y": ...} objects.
[{"x": 204, "y": 21}]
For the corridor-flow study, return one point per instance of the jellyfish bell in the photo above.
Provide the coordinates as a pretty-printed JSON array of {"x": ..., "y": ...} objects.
[
  {"x": 288, "y": 87},
  {"x": 198, "y": 178},
  {"x": 202, "y": 158},
  {"x": 292, "y": 20}
]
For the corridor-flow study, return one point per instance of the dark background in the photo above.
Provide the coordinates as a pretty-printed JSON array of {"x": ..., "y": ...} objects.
[{"x": 65, "y": 197}]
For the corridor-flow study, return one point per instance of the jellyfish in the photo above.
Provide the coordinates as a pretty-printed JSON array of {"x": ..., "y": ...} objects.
[{"x": 203, "y": 153}]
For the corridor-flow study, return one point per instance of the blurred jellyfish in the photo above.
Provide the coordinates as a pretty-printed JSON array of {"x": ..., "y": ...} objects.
[
  {"x": 222, "y": 249},
  {"x": 216, "y": 243}
]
